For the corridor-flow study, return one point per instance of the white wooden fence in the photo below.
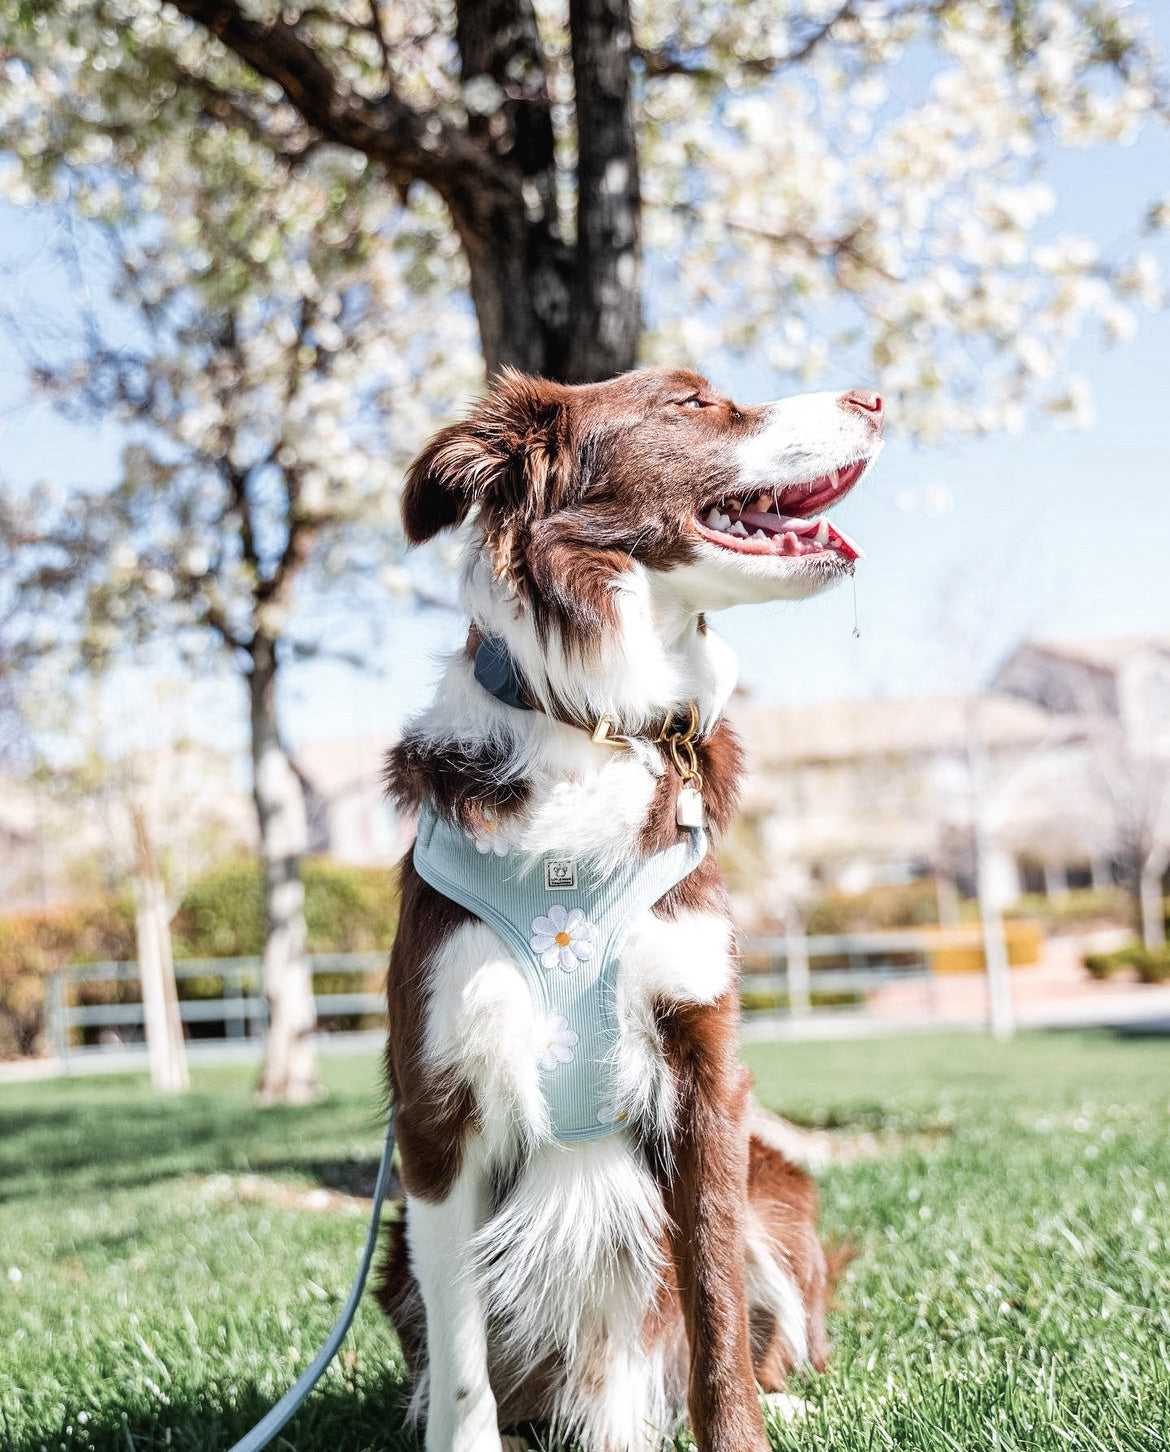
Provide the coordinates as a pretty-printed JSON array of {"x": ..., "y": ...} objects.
[{"x": 781, "y": 978}]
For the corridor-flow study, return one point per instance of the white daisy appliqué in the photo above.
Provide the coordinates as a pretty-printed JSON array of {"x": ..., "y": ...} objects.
[
  {"x": 562, "y": 939},
  {"x": 556, "y": 1041}
]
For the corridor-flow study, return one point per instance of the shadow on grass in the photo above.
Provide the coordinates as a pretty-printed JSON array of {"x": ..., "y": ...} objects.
[
  {"x": 104, "y": 1141},
  {"x": 338, "y": 1417},
  {"x": 1158, "y": 1028},
  {"x": 355, "y": 1177}
]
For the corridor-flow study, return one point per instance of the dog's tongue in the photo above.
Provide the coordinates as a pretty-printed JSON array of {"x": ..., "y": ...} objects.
[
  {"x": 822, "y": 530},
  {"x": 779, "y": 523}
]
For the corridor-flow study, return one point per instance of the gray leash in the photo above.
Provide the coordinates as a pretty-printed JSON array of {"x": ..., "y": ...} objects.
[{"x": 264, "y": 1430}]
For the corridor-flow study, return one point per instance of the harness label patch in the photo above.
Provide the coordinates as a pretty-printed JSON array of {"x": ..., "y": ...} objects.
[{"x": 560, "y": 874}]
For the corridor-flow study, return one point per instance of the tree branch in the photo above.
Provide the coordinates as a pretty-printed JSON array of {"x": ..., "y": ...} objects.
[
  {"x": 378, "y": 31},
  {"x": 662, "y": 62},
  {"x": 230, "y": 108},
  {"x": 409, "y": 144}
]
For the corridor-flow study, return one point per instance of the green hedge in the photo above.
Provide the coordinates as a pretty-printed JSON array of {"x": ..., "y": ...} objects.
[
  {"x": 904, "y": 905},
  {"x": 1082, "y": 906},
  {"x": 347, "y": 910},
  {"x": 1151, "y": 967}
]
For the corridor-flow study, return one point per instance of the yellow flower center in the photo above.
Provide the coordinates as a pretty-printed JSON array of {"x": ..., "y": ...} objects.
[{"x": 563, "y": 940}]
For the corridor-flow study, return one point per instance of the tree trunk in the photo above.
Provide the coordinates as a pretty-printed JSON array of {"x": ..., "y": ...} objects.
[
  {"x": 290, "y": 1068},
  {"x": 947, "y": 896},
  {"x": 520, "y": 281},
  {"x": 1001, "y": 1015},
  {"x": 165, "y": 1049},
  {"x": 606, "y": 321},
  {"x": 507, "y": 217},
  {"x": 568, "y": 309},
  {"x": 1153, "y": 908},
  {"x": 570, "y": 312}
]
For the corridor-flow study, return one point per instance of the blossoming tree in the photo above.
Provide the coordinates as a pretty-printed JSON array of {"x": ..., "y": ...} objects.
[
  {"x": 807, "y": 176},
  {"x": 270, "y": 322},
  {"x": 300, "y": 190}
]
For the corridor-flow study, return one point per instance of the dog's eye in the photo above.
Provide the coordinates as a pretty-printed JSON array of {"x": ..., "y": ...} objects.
[{"x": 695, "y": 402}]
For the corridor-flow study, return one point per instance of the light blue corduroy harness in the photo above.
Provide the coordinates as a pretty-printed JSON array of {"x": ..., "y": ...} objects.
[{"x": 565, "y": 922}]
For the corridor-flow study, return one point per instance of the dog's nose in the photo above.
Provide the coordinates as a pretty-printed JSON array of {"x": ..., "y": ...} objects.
[{"x": 867, "y": 404}]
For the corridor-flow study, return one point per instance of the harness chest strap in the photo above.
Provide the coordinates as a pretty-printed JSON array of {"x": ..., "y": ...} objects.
[{"x": 565, "y": 922}]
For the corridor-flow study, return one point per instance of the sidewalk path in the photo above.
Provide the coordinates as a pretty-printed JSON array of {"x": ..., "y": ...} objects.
[{"x": 1056, "y": 992}]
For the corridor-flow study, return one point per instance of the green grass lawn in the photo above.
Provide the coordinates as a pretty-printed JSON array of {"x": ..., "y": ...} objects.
[{"x": 167, "y": 1267}]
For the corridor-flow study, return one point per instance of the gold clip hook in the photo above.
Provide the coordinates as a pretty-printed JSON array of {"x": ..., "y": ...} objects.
[
  {"x": 600, "y": 734},
  {"x": 688, "y": 732}
]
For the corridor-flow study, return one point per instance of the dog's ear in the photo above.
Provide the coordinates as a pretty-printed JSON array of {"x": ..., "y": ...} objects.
[
  {"x": 510, "y": 456},
  {"x": 446, "y": 479}
]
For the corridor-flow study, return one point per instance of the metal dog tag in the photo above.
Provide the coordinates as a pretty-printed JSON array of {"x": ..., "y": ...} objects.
[{"x": 689, "y": 810}]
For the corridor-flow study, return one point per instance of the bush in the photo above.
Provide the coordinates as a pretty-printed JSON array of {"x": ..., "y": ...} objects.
[
  {"x": 1150, "y": 967},
  {"x": 906, "y": 905},
  {"x": 347, "y": 910},
  {"x": 1076, "y": 908},
  {"x": 36, "y": 943},
  {"x": 755, "y": 1001}
]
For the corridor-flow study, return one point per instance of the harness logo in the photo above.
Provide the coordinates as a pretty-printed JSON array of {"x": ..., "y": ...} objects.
[{"x": 560, "y": 874}]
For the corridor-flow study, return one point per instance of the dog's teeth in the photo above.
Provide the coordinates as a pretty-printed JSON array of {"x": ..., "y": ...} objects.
[
  {"x": 763, "y": 505},
  {"x": 834, "y": 477},
  {"x": 822, "y": 534},
  {"x": 718, "y": 521},
  {"x": 789, "y": 544},
  {"x": 738, "y": 529},
  {"x": 761, "y": 534}
]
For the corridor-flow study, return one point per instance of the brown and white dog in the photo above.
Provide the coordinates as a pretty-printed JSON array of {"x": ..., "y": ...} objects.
[{"x": 612, "y": 1286}]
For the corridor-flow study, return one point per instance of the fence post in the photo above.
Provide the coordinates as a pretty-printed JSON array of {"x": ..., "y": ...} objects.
[
  {"x": 55, "y": 1004},
  {"x": 796, "y": 954}
]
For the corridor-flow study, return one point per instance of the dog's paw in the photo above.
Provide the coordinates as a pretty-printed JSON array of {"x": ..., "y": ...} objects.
[{"x": 783, "y": 1406}]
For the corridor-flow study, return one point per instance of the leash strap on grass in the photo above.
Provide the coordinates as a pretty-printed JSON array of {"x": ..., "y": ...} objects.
[{"x": 264, "y": 1430}]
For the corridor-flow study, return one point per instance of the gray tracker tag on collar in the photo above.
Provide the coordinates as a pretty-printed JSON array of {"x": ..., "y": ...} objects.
[{"x": 496, "y": 672}]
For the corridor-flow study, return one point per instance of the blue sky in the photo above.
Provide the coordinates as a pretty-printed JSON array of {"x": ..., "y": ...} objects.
[{"x": 971, "y": 545}]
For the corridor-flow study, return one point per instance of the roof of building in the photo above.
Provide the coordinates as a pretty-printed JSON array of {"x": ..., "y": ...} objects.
[
  {"x": 1105, "y": 653},
  {"x": 782, "y": 736}
]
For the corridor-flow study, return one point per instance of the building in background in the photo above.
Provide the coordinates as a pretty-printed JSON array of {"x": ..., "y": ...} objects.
[
  {"x": 350, "y": 817},
  {"x": 1065, "y": 760}
]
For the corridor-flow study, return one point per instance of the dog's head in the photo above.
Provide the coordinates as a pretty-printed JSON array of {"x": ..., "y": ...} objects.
[{"x": 574, "y": 486}]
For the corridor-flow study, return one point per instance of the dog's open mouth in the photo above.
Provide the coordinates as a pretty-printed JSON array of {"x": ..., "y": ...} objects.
[{"x": 783, "y": 521}]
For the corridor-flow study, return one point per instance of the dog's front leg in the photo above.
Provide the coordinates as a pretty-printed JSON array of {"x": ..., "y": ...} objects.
[
  {"x": 461, "y": 1409},
  {"x": 705, "y": 1189}
]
